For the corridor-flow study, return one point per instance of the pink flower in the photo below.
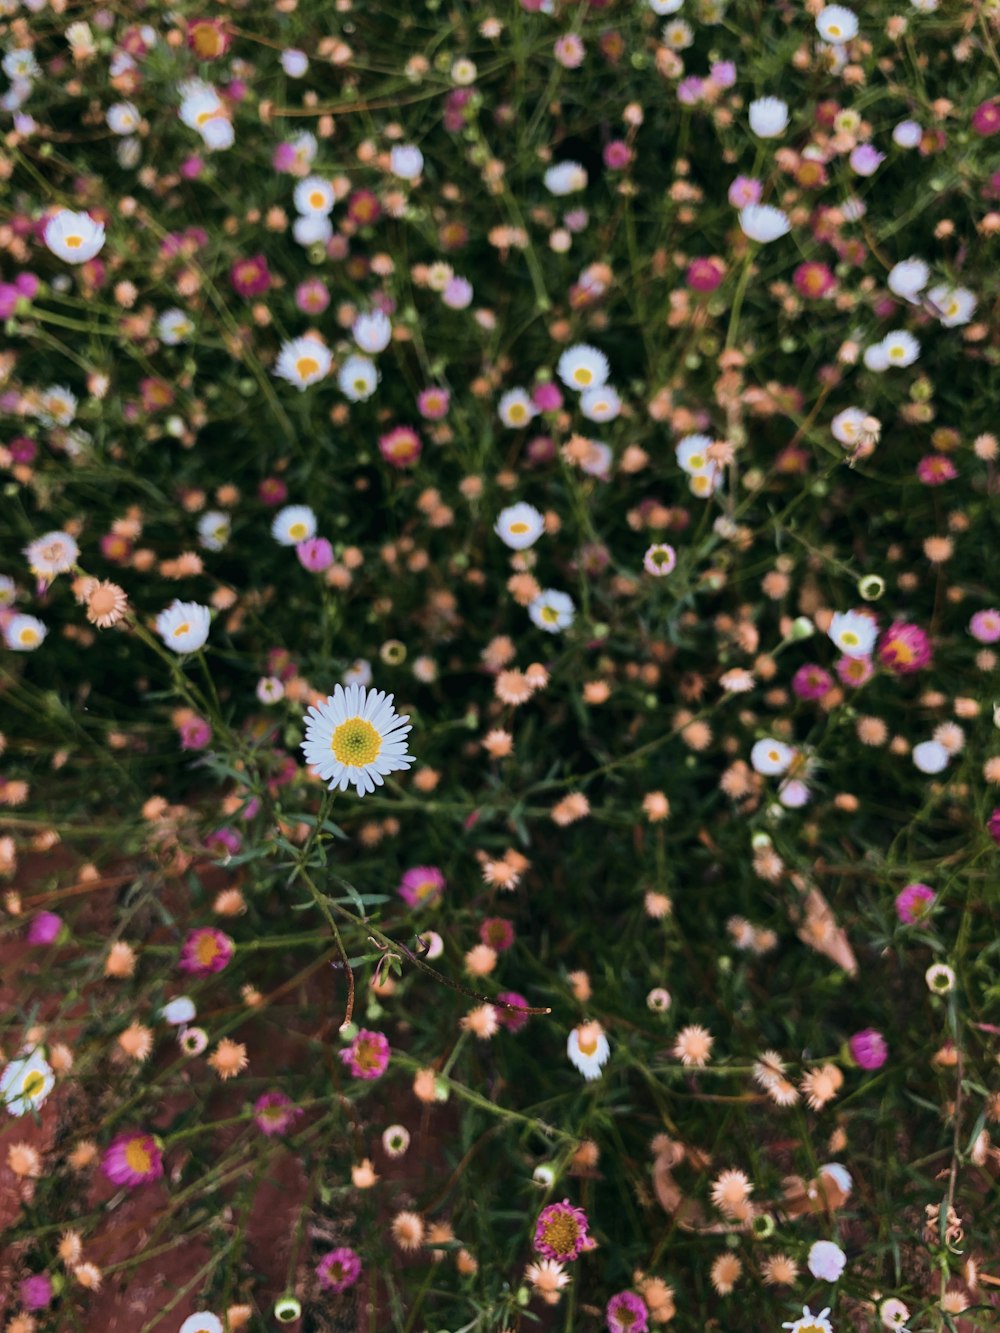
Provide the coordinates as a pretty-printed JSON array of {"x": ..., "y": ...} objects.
[
  {"x": 195, "y": 733},
  {"x": 904, "y": 648},
  {"x": 811, "y": 682},
  {"x": 133, "y": 1158},
  {"x": 45, "y": 928},
  {"x": 316, "y": 554},
  {"x": 338, "y": 1269},
  {"x": 422, "y": 886},
  {"x": 993, "y": 826},
  {"x": 936, "y": 469},
  {"x": 507, "y": 1011},
  {"x": 617, "y": 155},
  {"x": 561, "y": 1232},
  {"x": 272, "y": 492},
  {"x": 400, "y": 447},
  {"x": 432, "y": 403},
  {"x": 250, "y": 277},
  {"x": 705, "y": 275},
  {"x": 367, "y": 1056},
  {"x": 626, "y": 1313},
  {"x": 744, "y": 191},
  {"x": 275, "y": 1112},
  {"x": 986, "y": 119},
  {"x": 914, "y": 903},
  {"x": 497, "y": 932},
  {"x": 206, "y": 950},
  {"x": 869, "y": 1049},
  {"x": 813, "y": 280},
  {"x": 985, "y": 625},
  {"x": 363, "y": 208},
  {"x": 690, "y": 90},
  {"x": 547, "y": 396},
  {"x": 855, "y": 671},
  {"x": 311, "y": 296},
  {"x": 36, "y": 1291},
  {"x": 569, "y": 51}
]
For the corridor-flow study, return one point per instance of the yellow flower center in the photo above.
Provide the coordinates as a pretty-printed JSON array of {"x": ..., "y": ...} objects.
[
  {"x": 518, "y": 528},
  {"x": 356, "y": 743},
  {"x": 517, "y": 412},
  {"x": 360, "y": 385},
  {"x": 834, "y": 30},
  {"x": 696, "y": 460},
  {"x": 206, "y": 950},
  {"x": 306, "y": 366},
  {"x": 367, "y": 1054},
  {"x": 74, "y": 241},
  {"x": 561, "y": 1232},
  {"x": 28, "y": 636},
  {"x": 317, "y": 199},
  {"x": 583, "y": 376},
  {"x": 587, "y": 1044},
  {"x": 33, "y": 1084},
  {"x": 182, "y": 629},
  {"x": 550, "y": 615},
  {"x": 850, "y": 638},
  {"x": 138, "y": 1158},
  {"x": 298, "y": 531}
]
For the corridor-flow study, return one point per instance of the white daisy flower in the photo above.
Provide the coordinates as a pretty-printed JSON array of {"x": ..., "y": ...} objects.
[
  {"x": 356, "y": 738},
  {"x": 179, "y": 1012},
  {"x": 907, "y": 134},
  {"x": 123, "y": 118},
  {"x": 811, "y": 1323},
  {"x": 677, "y": 35},
  {"x": 183, "y": 626},
  {"x": 876, "y": 358},
  {"x": 295, "y": 63},
  {"x": 218, "y": 134},
  {"x": 763, "y": 223},
  {"x": 793, "y": 794},
  {"x": 372, "y": 331},
  {"x": 312, "y": 229},
  {"x": 293, "y": 524},
  {"x": 826, "y": 1260},
  {"x": 25, "y": 1083},
  {"x": 931, "y": 757},
  {"x": 302, "y": 362},
  {"x": 358, "y": 378},
  {"x": 565, "y": 178},
  {"x": 901, "y": 348},
  {"x": 515, "y": 408},
  {"x": 853, "y": 633},
  {"x": 406, "y": 161},
  {"x": 24, "y": 633},
  {"x": 55, "y": 553},
  {"x": 314, "y": 195},
  {"x": 836, "y": 24},
  {"x": 199, "y": 105},
  {"x": 75, "y": 237},
  {"x": 57, "y": 406},
  {"x": 940, "y": 978},
  {"x": 8, "y": 590},
  {"x": 519, "y": 526},
  {"x": 893, "y": 1313},
  {"x": 129, "y": 152},
  {"x": 358, "y": 673},
  {"x": 908, "y": 278},
  {"x": 552, "y": 610},
  {"x": 839, "y": 1174},
  {"x": 20, "y": 65},
  {"x": 846, "y": 426},
  {"x": 174, "y": 326},
  {"x": 588, "y": 1049},
  {"x": 201, "y": 1322},
  {"x": 601, "y": 404},
  {"x": 692, "y": 454},
  {"x": 213, "y": 530},
  {"x": 771, "y": 757},
  {"x": 583, "y": 367},
  {"x": 664, "y": 8},
  {"x": 768, "y": 117},
  {"x": 952, "y": 305}
]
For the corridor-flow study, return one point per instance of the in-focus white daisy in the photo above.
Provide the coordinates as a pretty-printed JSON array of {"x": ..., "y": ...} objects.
[
  {"x": 931, "y": 757},
  {"x": 552, "y": 610},
  {"x": 358, "y": 378},
  {"x": 56, "y": 406},
  {"x": 372, "y": 331},
  {"x": 303, "y": 361},
  {"x": 213, "y": 529},
  {"x": 174, "y": 326},
  {"x": 901, "y": 348},
  {"x": 565, "y": 178},
  {"x": 184, "y": 626},
  {"x": 588, "y": 1049},
  {"x": 312, "y": 229},
  {"x": 314, "y": 195},
  {"x": 293, "y": 524},
  {"x": 54, "y": 553},
  {"x": 25, "y": 1083},
  {"x": 202, "y": 1322},
  {"x": 853, "y": 633},
  {"x": 123, "y": 118},
  {"x": 75, "y": 237},
  {"x": 356, "y": 738},
  {"x": 600, "y": 404},
  {"x": 519, "y": 526},
  {"x": 515, "y": 408},
  {"x": 771, "y": 757},
  {"x": 836, "y": 24},
  {"x": 908, "y": 278},
  {"x": 406, "y": 161},
  {"x": 810, "y": 1323},
  {"x": 763, "y": 223},
  {"x": 24, "y": 633},
  {"x": 846, "y": 426},
  {"x": 583, "y": 367},
  {"x": 952, "y": 305},
  {"x": 768, "y": 117}
]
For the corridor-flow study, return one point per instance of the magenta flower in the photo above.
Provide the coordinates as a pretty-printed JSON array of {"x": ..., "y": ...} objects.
[
  {"x": 561, "y": 1232},
  {"x": 813, "y": 280},
  {"x": 432, "y": 403},
  {"x": 985, "y": 625},
  {"x": 904, "y": 648},
  {"x": 224, "y": 842},
  {"x": 690, "y": 90},
  {"x": 363, "y": 208},
  {"x": 507, "y": 1012},
  {"x": 722, "y": 73},
  {"x": 275, "y": 1113},
  {"x": 993, "y": 826},
  {"x": 986, "y": 119},
  {"x": 811, "y": 682},
  {"x": 312, "y": 296},
  {"x": 705, "y": 275},
  {"x": 367, "y": 1056},
  {"x": 914, "y": 903},
  {"x": 272, "y": 491},
  {"x": 206, "y": 950},
  {"x": 195, "y": 733},
  {"x": 855, "y": 671},
  {"x": 744, "y": 191},
  {"x": 617, "y": 155},
  {"x": 44, "y": 928},
  {"x": 547, "y": 396},
  {"x": 936, "y": 469},
  {"x": 338, "y": 1269},
  {"x": 250, "y": 277},
  {"x": 316, "y": 555},
  {"x": 626, "y": 1313},
  {"x": 422, "y": 886},
  {"x": 400, "y": 447},
  {"x": 869, "y": 1049},
  {"x": 36, "y": 1291},
  {"x": 865, "y": 160},
  {"x": 133, "y": 1158},
  {"x": 497, "y": 932}
]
